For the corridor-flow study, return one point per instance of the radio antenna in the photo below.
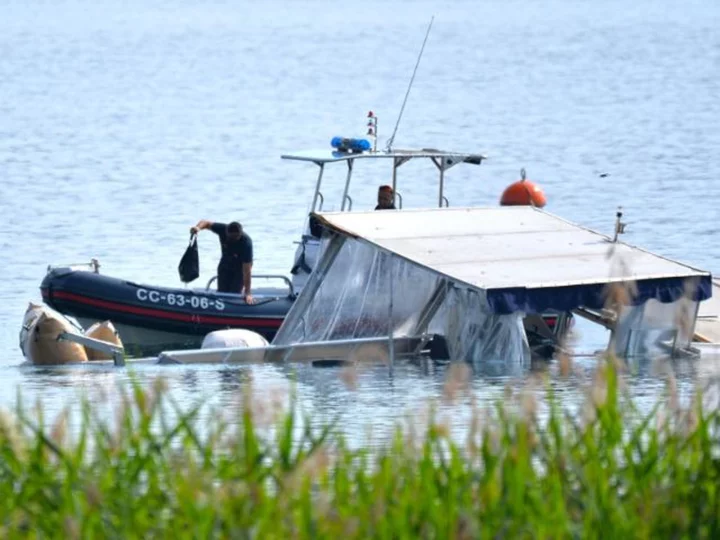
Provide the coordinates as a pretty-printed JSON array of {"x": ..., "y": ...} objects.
[{"x": 392, "y": 138}]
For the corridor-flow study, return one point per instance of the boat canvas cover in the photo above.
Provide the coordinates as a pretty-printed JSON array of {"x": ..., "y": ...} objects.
[
  {"x": 524, "y": 259},
  {"x": 358, "y": 293}
]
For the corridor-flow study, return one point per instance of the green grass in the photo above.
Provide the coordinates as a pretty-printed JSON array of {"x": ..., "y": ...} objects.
[{"x": 608, "y": 473}]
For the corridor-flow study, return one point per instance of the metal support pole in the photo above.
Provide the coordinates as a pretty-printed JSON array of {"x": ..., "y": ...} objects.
[
  {"x": 441, "y": 167},
  {"x": 347, "y": 183},
  {"x": 397, "y": 161},
  {"x": 396, "y": 164},
  {"x": 317, "y": 186},
  {"x": 391, "y": 343},
  {"x": 442, "y": 186}
]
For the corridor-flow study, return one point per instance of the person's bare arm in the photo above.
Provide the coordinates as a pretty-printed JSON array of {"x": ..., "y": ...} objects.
[
  {"x": 202, "y": 224},
  {"x": 247, "y": 277}
]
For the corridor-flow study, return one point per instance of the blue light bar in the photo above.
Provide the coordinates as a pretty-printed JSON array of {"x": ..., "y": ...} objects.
[{"x": 344, "y": 144}]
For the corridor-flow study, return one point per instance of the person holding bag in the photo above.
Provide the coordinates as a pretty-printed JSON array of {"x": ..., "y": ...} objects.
[{"x": 234, "y": 270}]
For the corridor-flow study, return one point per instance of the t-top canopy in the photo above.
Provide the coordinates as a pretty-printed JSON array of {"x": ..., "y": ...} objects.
[{"x": 329, "y": 156}]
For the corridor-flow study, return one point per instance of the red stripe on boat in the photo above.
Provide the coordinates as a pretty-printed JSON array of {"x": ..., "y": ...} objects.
[{"x": 184, "y": 317}]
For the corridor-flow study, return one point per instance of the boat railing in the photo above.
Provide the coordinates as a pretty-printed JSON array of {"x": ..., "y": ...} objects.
[
  {"x": 374, "y": 349},
  {"x": 291, "y": 289},
  {"x": 93, "y": 265}
]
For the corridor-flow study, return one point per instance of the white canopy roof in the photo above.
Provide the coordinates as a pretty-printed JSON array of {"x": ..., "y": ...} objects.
[{"x": 512, "y": 247}]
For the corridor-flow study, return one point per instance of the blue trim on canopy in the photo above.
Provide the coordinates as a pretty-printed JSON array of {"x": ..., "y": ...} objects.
[{"x": 592, "y": 296}]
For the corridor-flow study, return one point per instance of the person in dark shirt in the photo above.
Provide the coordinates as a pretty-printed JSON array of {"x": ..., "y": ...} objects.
[
  {"x": 235, "y": 268},
  {"x": 385, "y": 199}
]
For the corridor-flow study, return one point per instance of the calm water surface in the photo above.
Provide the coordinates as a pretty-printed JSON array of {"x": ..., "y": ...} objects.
[{"x": 123, "y": 123}]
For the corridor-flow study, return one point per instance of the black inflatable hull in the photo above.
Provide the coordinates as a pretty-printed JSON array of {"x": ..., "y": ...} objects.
[{"x": 140, "y": 309}]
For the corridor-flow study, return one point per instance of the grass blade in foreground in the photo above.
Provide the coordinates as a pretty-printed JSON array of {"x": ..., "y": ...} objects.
[{"x": 607, "y": 475}]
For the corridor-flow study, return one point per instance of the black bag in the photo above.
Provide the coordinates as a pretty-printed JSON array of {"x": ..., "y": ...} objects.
[{"x": 189, "y": 267}]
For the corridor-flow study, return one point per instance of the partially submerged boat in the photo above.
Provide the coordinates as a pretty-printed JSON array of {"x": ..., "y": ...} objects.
[
  {"x": 385, "y": 288},
  {"x": 39, "y": 338},
  {"x": 47, "y": 338}
]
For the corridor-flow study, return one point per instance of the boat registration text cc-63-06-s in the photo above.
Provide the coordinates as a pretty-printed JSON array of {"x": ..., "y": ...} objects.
[{"x": 180, "y": 299}]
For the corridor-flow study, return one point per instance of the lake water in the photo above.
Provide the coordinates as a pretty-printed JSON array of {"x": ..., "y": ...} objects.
[{"x": 124, "y": 123}]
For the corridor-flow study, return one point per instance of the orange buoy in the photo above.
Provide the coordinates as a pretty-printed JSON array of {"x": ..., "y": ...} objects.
[{"x": 523, "y": 193}]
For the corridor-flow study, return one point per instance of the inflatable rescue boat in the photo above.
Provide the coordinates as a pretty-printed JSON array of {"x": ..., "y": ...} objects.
[{"x": 150, "y": 319}]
